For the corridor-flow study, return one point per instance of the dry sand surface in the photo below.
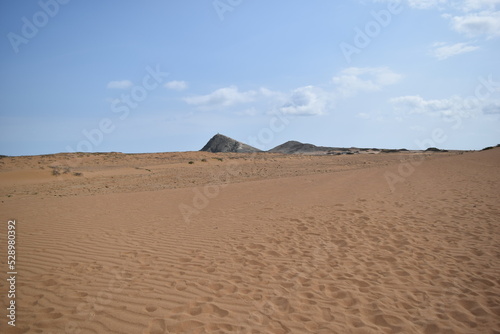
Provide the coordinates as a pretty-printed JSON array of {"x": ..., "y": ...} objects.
[{"x": 240, "y": 243}]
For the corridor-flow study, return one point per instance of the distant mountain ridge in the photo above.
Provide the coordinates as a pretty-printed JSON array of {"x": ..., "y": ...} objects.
[
  {"x": 220, "y": 143},
  {"x": 296, "y": 147}
]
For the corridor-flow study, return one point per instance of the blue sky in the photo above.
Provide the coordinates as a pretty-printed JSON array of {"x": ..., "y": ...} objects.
[{"x": 156, "y": 76}]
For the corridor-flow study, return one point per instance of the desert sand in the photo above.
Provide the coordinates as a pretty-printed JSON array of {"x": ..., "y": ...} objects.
[{"x": 238, "y": 243}]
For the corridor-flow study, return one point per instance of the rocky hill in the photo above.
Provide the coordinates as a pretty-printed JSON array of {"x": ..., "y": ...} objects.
[
  {"x": 221, "y": 143},
  {"x": 295, "y": 147}
]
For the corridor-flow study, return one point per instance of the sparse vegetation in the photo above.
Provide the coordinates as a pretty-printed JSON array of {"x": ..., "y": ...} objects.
[
  {"x": 394, "y": 150},
  {"x": 191, "y": 162},
  {"x": 78, "y": 174},
  {"x": 58, "y": 170},
  {"x": 203, "y": 160},
  {"x": 434, "y": 149}
]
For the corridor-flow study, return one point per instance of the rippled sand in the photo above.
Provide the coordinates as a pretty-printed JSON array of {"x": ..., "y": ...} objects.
[{"x": 244, "y": 243}]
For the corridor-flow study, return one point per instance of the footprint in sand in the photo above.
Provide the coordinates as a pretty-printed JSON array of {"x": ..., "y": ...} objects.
[
  {"x": 151, "y": 308},
  {"x": 384, "y": 320},
  {"x": 180, "y": 285},
  {"x": 47, "y": 310},
  {"x": 214, "y": 309},
  {"x": 302, "y": 227},
  {"x": 188, "y": 326},
  {"x": 56, "y": 315},
  {"x": 50, "y": 282},
  {"x": 156, "y": 326}
]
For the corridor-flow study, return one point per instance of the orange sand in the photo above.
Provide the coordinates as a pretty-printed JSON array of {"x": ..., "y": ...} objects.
[{"x": 253, "y": 244}]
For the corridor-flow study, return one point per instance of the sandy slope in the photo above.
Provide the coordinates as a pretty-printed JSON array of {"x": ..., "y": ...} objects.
[{"x": 288, "y": 245}]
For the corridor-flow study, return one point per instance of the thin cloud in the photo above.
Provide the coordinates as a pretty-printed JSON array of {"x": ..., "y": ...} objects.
[
  {"x": 121, "y": 84},
  {"x": 492, "y": 109},
  {"x": 442, "y": 51},
  {"x": 363, "y": 115},
  {"x": 421, "y": 4},
  {"x": 176, "y": 85},
  {"x": 462, "y": 5},
  {"x": 221, "y": 98},
  {"x": 469, "y": 5},
  {"x": 353, "y": 80},
  {"x": 426, "y": 4},
  {"x": 449, "y": 107}
]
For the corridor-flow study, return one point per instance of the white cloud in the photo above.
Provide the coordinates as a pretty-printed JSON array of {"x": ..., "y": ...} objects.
[
  {"x": 122, "y": 84},
  {"x": 270, "y": 93},
  {"x": 223, "y": 97},
  {"x": 450, "y": 107},
  {"x": 176, "y": 85},
  {"x": 352, "y": 80},
  {"x": 483, "y": 23},
  {"x": 420, "y": 4},
  {"x": 426, "y": 4},
  {"x": 443, "y": 51},
  {"x": 306, "y": 101},
  {"x": 463, "y": 5},
  {"x": 480, "y": 17},
  {"x": 303, "y": 101},
  {"x": 469, "y": 5}
]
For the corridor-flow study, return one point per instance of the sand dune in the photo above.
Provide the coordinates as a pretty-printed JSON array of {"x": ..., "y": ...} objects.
[{"x": 255, "y": 244}]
